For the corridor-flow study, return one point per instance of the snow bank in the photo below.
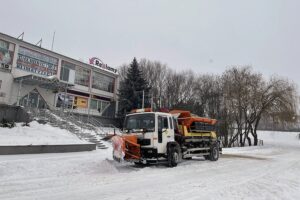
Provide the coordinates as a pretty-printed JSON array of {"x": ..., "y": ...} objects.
[
  {"x": 272, "y": 140},
  {"x": 37, "y": 134},
  {"x": 276, "y": 137},
  {"x": 94, "y": 175}
]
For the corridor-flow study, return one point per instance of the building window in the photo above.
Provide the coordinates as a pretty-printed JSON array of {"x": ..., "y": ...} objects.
[
  {"x": 94, "y": 104},
  {"x": 104, "y": 104},
  {"x": 64, "y": 100},
  {"x": 0, "y": 83},
  {"x": 98, "y": 105},
  {"x": 82, "y": 76},
  {"x": 65, "y": 74},
  {"x": 71, "y": 101},
  {"x": 103, "y": 82}
]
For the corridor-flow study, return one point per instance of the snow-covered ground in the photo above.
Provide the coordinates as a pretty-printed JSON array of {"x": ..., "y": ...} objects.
[
  {"x": 37, "y": 134},
  {"x": 271, "y": 171}
]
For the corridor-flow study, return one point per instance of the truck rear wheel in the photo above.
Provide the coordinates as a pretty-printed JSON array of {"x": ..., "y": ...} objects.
[
  {"x": 173, "y": 156},
  {"x": 214, "y": 153}
]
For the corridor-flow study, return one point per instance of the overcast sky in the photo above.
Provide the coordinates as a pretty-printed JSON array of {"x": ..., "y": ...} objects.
[{"x": 205, "y": 36}]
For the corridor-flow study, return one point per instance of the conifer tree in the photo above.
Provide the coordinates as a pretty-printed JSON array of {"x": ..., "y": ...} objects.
[{"x": 131, "y": 89}]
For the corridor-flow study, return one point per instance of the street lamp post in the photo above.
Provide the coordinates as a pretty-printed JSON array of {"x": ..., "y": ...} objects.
[
  {"x": 143, "y": 101},
  {"x": 19, "y": 92}
]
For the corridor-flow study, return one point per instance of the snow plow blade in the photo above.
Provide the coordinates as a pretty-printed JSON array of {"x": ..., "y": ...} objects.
[{"x": 126, "y": 148}]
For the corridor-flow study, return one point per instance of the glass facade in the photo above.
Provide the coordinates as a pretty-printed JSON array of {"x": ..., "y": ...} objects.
[
  {"x": 82, "y": 76},
  {"x": 103, "y": 82},
  {"x": 71, "y": 101},
  {"x": 98, "y": 105},
  {"x": 94, "y": 104},
  {"x": 64, "y": 100},
  {"x": 33, "y": 100},
  {"x": 65, "y": 70}
]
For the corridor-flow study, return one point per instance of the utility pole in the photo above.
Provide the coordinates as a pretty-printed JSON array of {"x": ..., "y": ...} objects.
[
  {"x": 151, "y": 101},
  {"x": 143, "y": 102},
  {"x": 89, "y": 99},
  {"x": 53, "y": 41},
  {"x": 19, "y": 92}
]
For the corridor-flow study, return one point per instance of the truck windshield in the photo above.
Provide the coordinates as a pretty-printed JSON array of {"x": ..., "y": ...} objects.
[{"x": 139, "y": 122}]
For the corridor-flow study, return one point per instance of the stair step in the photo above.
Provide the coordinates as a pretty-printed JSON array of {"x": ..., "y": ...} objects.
[
  {"x": 87, "y": 138},
  {"x": 91, "y": 137},
  {"x": 102, "y": 147},
  {"x": 73, "y": 124}
]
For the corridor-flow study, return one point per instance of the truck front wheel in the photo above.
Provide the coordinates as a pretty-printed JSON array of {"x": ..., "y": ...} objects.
[{"x": 173, "y": 157}]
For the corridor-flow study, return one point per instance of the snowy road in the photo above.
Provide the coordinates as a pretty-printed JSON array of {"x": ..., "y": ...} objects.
[{"x": 269, "y": 172}]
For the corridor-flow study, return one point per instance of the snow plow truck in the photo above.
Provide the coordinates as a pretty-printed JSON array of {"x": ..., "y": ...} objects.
[{"x": 165, "y": 137}]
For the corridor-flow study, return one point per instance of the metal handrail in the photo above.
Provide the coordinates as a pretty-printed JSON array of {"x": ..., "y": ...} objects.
[{"x": 97, "y": 124}]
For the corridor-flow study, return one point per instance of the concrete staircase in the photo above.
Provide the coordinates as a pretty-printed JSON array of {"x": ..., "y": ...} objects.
[{"x": 90, "y": 129}]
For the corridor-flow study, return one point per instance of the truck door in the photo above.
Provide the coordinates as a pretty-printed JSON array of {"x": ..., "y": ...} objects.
[
  {"x": 171, "y": 136},
  {"x": 164, "y": 133}
]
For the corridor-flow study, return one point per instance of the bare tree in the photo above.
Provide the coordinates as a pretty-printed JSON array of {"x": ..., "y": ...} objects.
[
  {"x": 277, "y": 97},
  {"x": 248, "y": 97},
  {"x": 156, "y": 74},
  {"x": 239, "y": 99},
  {"x": 123, "y": 71},
  {"x": 235, "y": 91}
]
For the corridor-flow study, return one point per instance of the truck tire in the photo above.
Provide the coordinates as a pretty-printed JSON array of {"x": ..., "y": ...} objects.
[
  {"x": 214, "y": 152},
  {"x": 173, "y": 156}
]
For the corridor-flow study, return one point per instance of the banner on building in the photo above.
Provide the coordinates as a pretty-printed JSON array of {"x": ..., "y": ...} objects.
[
  {"x": 37, "y": 63},
  {"x": 81, "y": 102},
  {"x": 6, "y": 55}
]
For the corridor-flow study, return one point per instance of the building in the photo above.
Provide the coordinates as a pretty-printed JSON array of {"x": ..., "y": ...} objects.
[{"x": 35, "y": 77}]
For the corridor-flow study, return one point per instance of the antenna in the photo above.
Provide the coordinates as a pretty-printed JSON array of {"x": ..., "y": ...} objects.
[
  {"x": 21, "y": 36},
  {"x": 53, "y": 41},
  {"x": 39, "y": 43}
]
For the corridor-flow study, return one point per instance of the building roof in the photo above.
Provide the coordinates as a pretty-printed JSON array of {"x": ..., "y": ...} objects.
[{"x": 47, "y": 51}]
